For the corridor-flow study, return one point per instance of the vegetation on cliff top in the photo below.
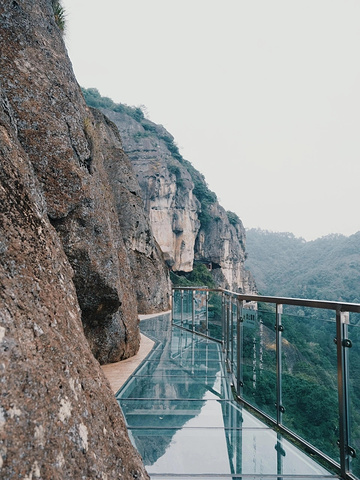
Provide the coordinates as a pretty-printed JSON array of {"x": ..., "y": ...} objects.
[{"x": 59, "y": 14}]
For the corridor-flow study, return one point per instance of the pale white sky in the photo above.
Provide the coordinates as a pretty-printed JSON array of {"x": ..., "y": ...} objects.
[{"x": 263, "y": 97}]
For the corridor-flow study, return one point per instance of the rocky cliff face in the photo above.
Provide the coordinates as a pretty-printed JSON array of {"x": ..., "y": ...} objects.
[
  {"x": 187, "y": 220},
  {"x": 167, "y": 188},
  {"x": 221, "y": 245},
  {"x": 71, "y": 151},
  {"x": 58, "y": 416},
  {"x": 68, "y": 259},
  {"x": 149, "y": 273}
]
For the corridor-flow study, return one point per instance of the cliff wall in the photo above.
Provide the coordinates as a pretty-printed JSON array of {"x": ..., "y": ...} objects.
[
  {"x": 71, "y": 151},
  {"x": 68, "y": 259},
  {"x": 167, "y": 188},
  {"x": 149, "y": 273},
  {"x": 187, "y": 220},
  {"x": 58, "y": 416}
]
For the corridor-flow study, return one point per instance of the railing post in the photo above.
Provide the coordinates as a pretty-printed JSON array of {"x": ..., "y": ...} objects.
[
  {"x": 231, "y": 333},
  {"x": 182, "y": 308},
  {"x": 227, "y": 329},
  {"x": 172, "y": 305},
  {"x": 193, "y": 310},
  {"x": 342, "y": 345},
  {"x": 207, "y": 313},
  {"x": 239, "y": 363},
  {"x": 223, "y": 322},
  {"x": 279, "y": 329}
]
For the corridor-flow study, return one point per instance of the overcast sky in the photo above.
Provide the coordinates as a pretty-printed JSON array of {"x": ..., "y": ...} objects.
[{"x": 263, "y": 97}]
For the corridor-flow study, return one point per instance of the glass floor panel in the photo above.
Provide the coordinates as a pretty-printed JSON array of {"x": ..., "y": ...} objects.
[
  {"x": 184, "y": 422},
  {"x": 200, "y": 450},
  {"x": 209, "y": 413},
  {"x": 173, "y": 387}
]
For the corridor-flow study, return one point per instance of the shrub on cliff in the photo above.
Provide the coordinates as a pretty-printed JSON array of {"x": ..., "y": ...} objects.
[
  {"x": 59, "y": 14},
  {"x": 200, "y": 276},
  {"x": 233, "y": 218},
  {"x": 94, "y": 99}
]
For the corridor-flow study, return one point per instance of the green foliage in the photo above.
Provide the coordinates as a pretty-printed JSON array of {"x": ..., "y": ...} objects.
[
  {"x": 174, "y": 170},
  {"x": 59, "y": 14},
  {"x": 172, "y": 147},
  {"x": 149, "y": 127},
  {"x": 202, "y": 192},
  {"x": 200, "y": 276},
  {"x": 233, "y": 218},
  {"x": 94, "y": 99},
  {"x": 139, "y": 135},
  {"x": 179, "y": 280},
  {"x": 327, "y": 268}
]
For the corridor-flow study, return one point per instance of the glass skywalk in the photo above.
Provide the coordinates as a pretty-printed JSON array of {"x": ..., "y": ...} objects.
[{"x": 183, "y": 420}]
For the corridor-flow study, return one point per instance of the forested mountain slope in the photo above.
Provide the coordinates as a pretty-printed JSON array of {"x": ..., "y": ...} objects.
[{"x": 327, "y": 268}]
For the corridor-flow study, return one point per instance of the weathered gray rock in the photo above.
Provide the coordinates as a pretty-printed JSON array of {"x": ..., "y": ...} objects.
[
  {"x": 174, "y": 206},
  {"x": 66, "y": 147},
  {"x": 58, "y": 417},
  {"x": 221, "y": 245},
  {"x": 167, "y": 189},
  {"x": 150, "y": 275}
]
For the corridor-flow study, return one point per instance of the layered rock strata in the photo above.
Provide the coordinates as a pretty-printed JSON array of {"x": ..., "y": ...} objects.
[
  {"x": 167, "y": 189},
  {"x": 150, "y": 275}
]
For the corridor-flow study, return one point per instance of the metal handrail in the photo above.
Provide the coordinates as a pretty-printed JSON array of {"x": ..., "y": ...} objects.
[
  {"x": 341, "y": 310},
  {"x": 297, "y": 302}
]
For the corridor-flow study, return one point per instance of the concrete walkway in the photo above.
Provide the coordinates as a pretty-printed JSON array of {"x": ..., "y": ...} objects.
[{"x": 117, "y": 373}]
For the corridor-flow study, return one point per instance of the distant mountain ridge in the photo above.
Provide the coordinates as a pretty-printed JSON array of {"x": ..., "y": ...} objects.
[{"x": 327, "y": 268}]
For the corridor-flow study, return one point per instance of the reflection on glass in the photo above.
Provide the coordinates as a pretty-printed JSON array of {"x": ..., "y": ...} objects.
[
  {"x": 259, "y": 358},
  {"x": 309, "y": 380},
  {"x": 183, "y": 419}
]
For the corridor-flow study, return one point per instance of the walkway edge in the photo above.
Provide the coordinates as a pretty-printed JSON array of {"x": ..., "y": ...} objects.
[{"x": 117, "y": 373}]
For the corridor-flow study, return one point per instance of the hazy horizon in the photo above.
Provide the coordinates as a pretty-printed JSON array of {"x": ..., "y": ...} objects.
[{"x": 261, "y": 97}]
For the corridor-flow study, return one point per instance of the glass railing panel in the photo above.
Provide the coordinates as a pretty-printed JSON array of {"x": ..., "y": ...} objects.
[
  {"x": 215, "y": 315},
  {"x": 258, "y": 355},
  {"x": 234, "y": 342},
  {"x": 309, "y": 376},
  {"x": 200, "y": 306},
  {"x": 354, "y": 389}
]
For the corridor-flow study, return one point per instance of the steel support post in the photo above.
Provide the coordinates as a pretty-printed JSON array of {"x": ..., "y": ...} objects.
[
  {"x": 239, "y": 349},
  {"x": 278, "y": 328},
  {"x": 342, "y": 345},
  {"x": 223, "y": 323},
  {"x": 231, "y": 333},
  {"x": 227, "y": 329},
  {"x": 182, "y": 308},
  {"x": 193, "y": 310},
  {"x": 173, "y": 306},
  {"x": 207, "y": 313}
]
